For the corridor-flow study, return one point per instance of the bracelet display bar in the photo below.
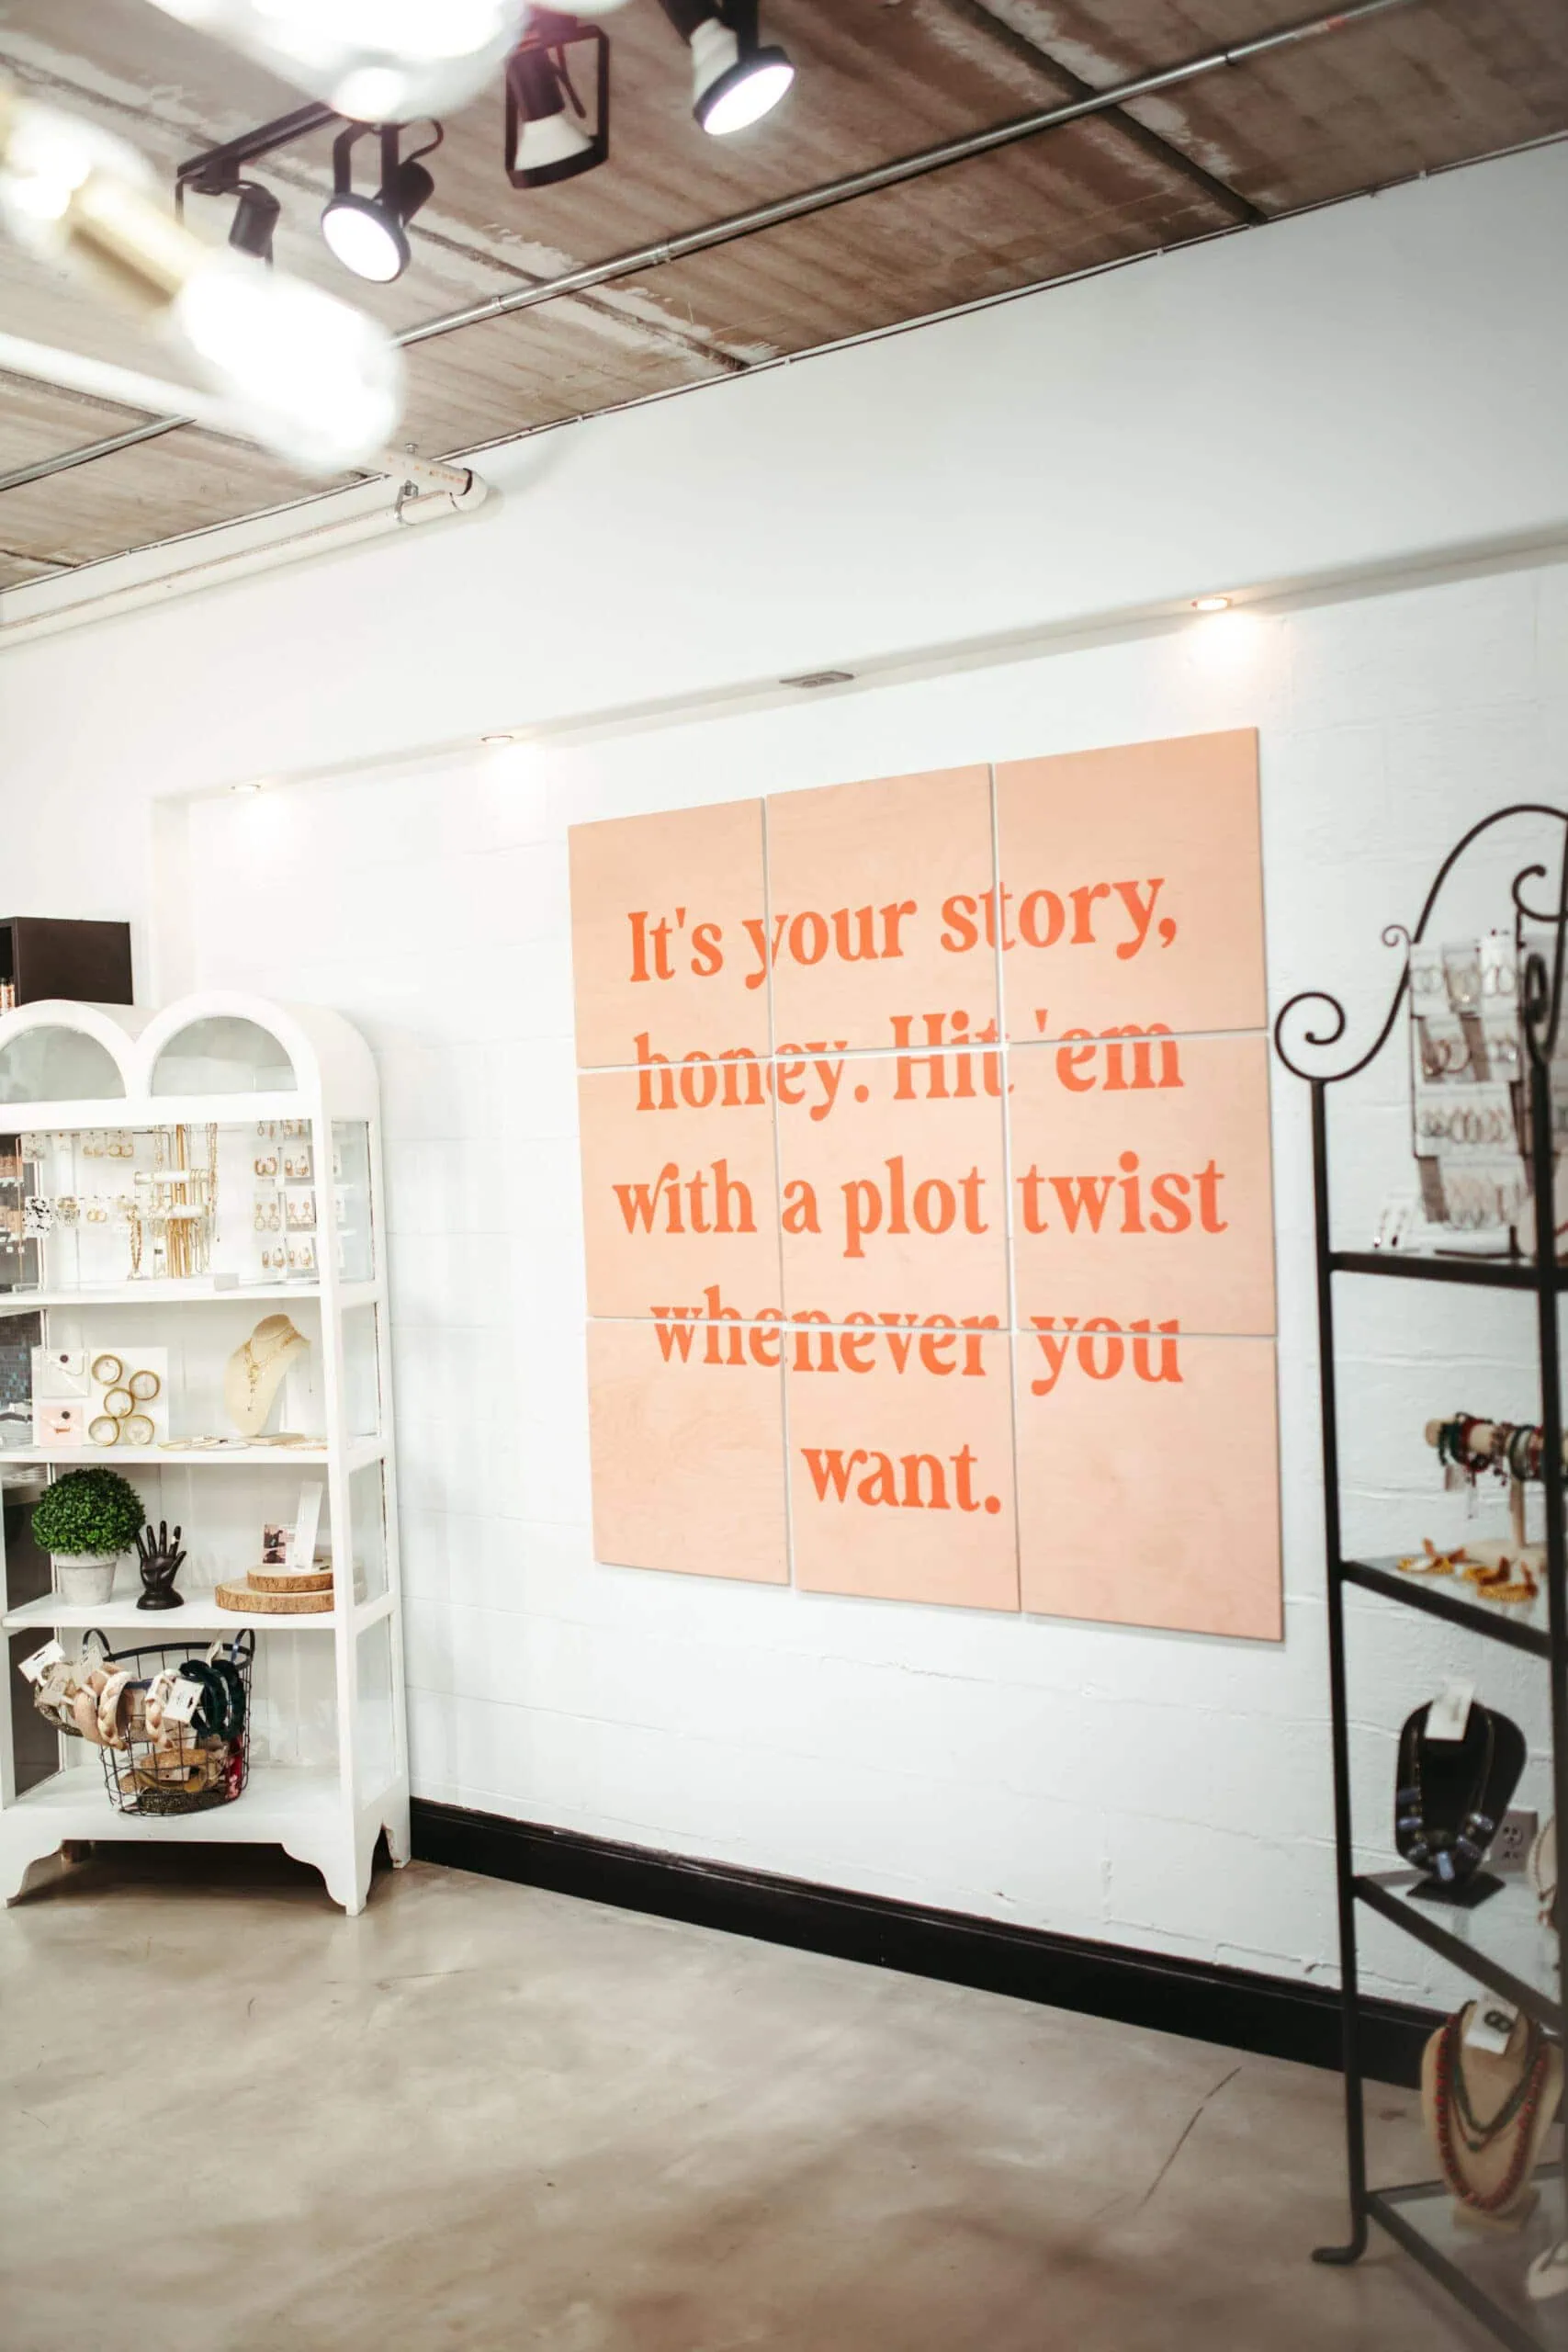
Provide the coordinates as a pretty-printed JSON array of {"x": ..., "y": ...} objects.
[
  {"x": 170, "y": 1183},
  {"x": 1500, "y": 1944},
  {"x": 1424, "y": 1266}
]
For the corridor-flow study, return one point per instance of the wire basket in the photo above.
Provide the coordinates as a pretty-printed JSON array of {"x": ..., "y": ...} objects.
[{"x": 181, "y": 1769}]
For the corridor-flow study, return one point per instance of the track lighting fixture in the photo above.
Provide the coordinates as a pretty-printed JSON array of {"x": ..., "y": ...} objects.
[
  {"x": 369, "y": 233},
  {"x": 735, "y": 80},
  {"x": 544, "y": 137},
  {"x": 293, "y": 368},
  {"x": 255, "y": 218},
  {"x": 557, "y": 126}
]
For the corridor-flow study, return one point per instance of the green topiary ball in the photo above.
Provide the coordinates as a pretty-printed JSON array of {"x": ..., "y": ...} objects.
[{"x": 89, "y": 1510}]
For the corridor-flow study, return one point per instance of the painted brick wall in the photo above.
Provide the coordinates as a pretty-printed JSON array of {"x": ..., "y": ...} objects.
[{"x": 1147, "y": 1787}]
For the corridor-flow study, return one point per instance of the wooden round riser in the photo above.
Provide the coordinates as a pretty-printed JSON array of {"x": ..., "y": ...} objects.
[
  {"x": 289, "y": 1580},
  {"x": 247, "y": 1601}
]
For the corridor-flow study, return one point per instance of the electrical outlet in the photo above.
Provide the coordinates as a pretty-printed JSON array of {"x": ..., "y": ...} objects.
[{"x": 1509, "y": 1851}]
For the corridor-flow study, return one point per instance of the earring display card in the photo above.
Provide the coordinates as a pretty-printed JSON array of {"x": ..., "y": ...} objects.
[
  {"x": 59, "y": 1424},
  {"x": 1016, "y": 1269},
  {"x": 61, "y": 1374}
]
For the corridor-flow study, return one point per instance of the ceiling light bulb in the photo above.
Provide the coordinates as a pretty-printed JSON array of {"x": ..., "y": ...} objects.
[
  {"x": 307, "y": 376},
  {"x": 1210, "y": 603},
  {"x": 369, "y": 233},
  {"x": 732, "y": 89},
  {"x": 48, "y": 163},
  {"x": 245, "y": 787},
  {"x": 381, "y": 60},
  {"x": 365, "y": 239},
  {"x": 735, "y": 80}
]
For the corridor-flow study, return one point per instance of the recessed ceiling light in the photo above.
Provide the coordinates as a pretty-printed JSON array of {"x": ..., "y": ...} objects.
[
  {"x": 820, "y": 678},
  {"x": 495, "y": 738},
  {"x": 1210, "y": 603},
  {"x": 245, "y": 787}
]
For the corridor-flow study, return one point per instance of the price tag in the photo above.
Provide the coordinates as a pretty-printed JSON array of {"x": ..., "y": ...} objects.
[
  {"x": 182, "y": 1701},
  {"x": 1448, "y": 1714},
  {"x": 1491, "y": 2023},
  {"x": 37, "y": 1665}
]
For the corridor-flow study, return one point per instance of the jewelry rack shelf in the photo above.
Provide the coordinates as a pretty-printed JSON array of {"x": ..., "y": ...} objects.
[
  {"x": 252, "y": 1082},
  {"x": 191, "y": 1294},
  {"x": 1523, "y": 1625},
  {"x": 1499, "y": 1943},
  {"x": 281, "y": 1806},
  {"x": 1480, "y": 1274},
  {"x": 201, "y": 1612},
  {"x": 357, "y": 1454},
  {"x": 1484, "y": 2275}
]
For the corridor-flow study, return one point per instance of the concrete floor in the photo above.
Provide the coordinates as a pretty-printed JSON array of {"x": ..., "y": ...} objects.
[{"x": 482, "y": 2116}]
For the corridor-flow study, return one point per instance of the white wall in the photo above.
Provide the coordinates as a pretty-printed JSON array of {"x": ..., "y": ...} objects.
[{"x": 1332, "y": 394}]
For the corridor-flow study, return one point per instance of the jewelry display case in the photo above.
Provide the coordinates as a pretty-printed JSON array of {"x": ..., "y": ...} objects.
[
  {"x": 1490, "y": 1064},
  {"x": 190, "y": 1242}
]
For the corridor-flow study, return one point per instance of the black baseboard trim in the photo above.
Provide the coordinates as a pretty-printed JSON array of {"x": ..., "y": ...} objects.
[{"x": 1237, "y": 2006}]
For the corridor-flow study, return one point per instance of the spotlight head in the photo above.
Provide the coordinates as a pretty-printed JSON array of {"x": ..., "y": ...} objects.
[
  {"x": 366, "y": 240},
  {"x": 255, "y": 219},
  {"x": 732, "y": 87},
  {"x": 369, "y": 233},
  {"x": 735, "y": 80},
  {"x": 545, "y": 138}
]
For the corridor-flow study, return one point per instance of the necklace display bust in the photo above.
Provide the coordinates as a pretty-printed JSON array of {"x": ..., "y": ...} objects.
[
  {"x": 1450, "y": 1798},
  {"x": 256, "y": 1371}
]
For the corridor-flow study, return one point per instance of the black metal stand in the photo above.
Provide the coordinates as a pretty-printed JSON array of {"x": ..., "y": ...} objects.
[{"x": 1417, "y": 2216}]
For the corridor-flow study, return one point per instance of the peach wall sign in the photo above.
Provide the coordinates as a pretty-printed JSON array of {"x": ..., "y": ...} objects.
[{"x": 927, "y": 1189}]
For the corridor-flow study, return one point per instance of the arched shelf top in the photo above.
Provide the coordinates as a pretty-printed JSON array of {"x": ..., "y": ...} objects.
[
  {"x": 58, "y": 1061},
  {"x": 222, "y": 1053},
  {"x": 214, "y": 1046},
  {"x": 240, "y": 1038}
]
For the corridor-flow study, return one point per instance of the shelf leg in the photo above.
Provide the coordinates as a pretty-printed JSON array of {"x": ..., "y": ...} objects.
[
  {"x": 1344, "y": 1851},
  {"x": 1543, "y": 1169}
]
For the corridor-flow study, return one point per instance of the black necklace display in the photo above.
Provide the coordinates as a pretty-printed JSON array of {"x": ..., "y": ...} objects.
[{"x": 1450, "y": 1796}]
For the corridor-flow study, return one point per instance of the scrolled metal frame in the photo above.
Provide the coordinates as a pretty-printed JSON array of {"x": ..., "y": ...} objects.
[
  {"x": 1394, "y": 934},
  {"x": 1540, "y": 1002}
]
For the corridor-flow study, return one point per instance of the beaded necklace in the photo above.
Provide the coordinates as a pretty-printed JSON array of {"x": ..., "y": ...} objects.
[
  {"x": 1451, "y": 2102},
  {"x": 1448, "y": 1854}
]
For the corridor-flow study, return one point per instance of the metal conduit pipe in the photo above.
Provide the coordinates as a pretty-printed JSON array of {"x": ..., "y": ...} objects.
[{"x": 801, "y": 205}]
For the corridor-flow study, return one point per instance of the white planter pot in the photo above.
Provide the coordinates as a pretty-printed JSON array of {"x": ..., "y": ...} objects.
[{"x": 84, "y": 1578}]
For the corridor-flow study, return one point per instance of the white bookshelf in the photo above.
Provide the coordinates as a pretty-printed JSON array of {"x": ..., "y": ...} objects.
[{"x": 329, "y": 1765}]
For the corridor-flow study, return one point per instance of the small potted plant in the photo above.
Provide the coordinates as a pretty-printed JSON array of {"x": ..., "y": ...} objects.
[{"x": 85, "y": 1521}]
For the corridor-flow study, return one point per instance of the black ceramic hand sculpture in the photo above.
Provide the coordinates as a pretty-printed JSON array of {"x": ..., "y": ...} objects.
[{"x": 160, "y": 1558}]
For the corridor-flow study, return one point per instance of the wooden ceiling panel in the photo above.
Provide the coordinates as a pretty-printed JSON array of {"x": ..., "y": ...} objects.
[
  {"x": 985, "y": 227},
  {"x": 184, "y": 482},
  {"x": 38, "y": 419},
  {"x": 1409, "y": 91},
  {"x": 1428, "y": 85},
  {"x": 540, "y": 368}
]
